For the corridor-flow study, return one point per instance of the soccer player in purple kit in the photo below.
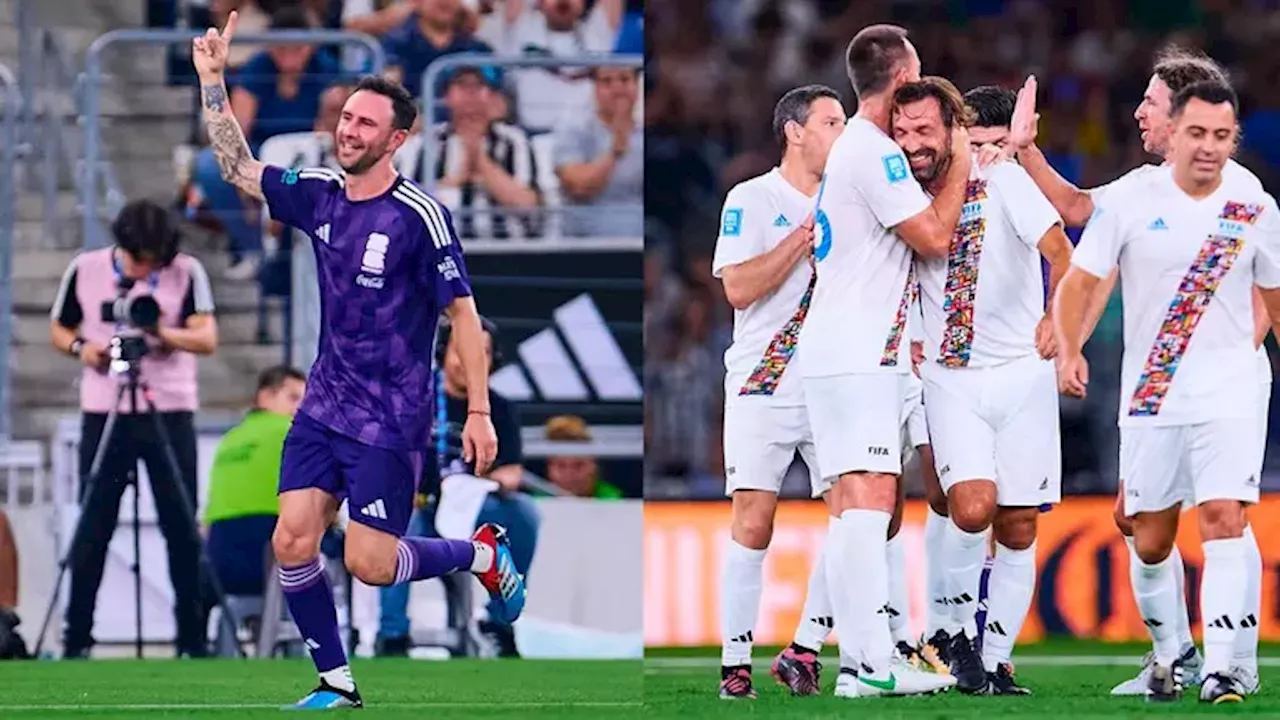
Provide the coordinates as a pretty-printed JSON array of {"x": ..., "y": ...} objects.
[{"x": 389, "y": 263}]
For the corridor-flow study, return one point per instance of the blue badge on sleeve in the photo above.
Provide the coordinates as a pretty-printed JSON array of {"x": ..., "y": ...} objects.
[
  {"x": 290, "y": 177},
  {"x": 732, "y": 224},
  {"x": 895, "y": 167}
]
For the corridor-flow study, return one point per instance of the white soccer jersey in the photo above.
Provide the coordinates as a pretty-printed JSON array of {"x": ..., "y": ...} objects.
[
  {"x": 757, "y": 215},
  {"x": 866, "y": 280},
  {"x": 1232, "y": 172},
  {"x": 1186, "y": 271},
  {"x": 982, "y": 302}
]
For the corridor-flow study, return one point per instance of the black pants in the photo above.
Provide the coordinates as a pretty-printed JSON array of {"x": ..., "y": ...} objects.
[{"x": 133, "y": 438}]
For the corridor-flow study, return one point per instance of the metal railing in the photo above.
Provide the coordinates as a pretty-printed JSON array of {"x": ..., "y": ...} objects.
[
  {"x": 10, "y": 108},
  {"x": 96, "y": 166}
]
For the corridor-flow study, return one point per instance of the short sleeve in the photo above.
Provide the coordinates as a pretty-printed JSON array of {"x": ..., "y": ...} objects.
[
  {"x": 1099, "y": 248},
  {"x": 294, "y": 195},
  {"x": 889, "y": 187},
  {"x": 1028, "y": 209},
  {"x": 443, "y": 267},
  {"x": 199, "y": 296},
  {"x": 1266, "y": 262},
  {"x": 741, "y": 231},
  {"x": 568, "y": 147},
  {"x": 66, "y": 306}
]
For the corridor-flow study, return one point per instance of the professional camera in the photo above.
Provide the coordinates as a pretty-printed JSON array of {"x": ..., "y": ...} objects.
[
  {"x": 133, "y": 314},
  {"x": 137, "y": 312}
]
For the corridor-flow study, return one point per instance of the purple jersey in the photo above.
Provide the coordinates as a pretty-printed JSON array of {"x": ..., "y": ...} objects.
[{"x": 387, "y": 266}]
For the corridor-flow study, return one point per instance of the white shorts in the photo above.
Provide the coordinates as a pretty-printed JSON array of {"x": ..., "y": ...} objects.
[
  {"x": 857, "y": 422},
  {"x": 915, "y": 428},
  {"x": 760, "y": 442},
  {"x": 1163, "y": 466},
  {"x": 997, "y": 423},
  {"x": 1264, "y": 405}
]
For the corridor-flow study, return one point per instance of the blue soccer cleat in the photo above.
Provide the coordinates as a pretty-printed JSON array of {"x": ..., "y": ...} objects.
[
  {"x": 501, "y": 579},
  {"x": 327, "y": 697}
]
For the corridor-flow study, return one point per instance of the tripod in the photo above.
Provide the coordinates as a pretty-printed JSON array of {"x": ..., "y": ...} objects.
[{"x": 132, "y": 384}]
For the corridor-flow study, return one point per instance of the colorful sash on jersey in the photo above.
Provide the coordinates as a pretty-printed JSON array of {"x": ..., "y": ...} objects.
[
  {"x": 894, "y": 341},
  {"x": 961, "y": 292},
  {"x": 765, "y": 378},
  {"x": 1216, "y": 258}
]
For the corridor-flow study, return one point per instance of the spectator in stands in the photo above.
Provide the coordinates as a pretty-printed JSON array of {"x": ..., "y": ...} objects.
[
  {"x": 375, "y": 17},
  {"x": 432, "y": 31},
  {"x": 12, "y": 646},
  {"x": 600, "y": 161},
  {"x": 276, "y": 92},
  {"x": 631, "y": 34},
  {"x": 482, "y": 165},
  {"x": 576, "y": 474},
  {"x": 545, "y": 97},
  {"x": 507, "y": 505},
  {"x": 240, "y": 514}
]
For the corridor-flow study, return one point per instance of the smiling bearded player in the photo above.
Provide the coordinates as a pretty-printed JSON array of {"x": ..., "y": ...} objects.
[{"x": 389, "y": 263}]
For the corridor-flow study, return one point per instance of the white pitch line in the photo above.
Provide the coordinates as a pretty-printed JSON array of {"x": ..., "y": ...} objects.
[
  {"x": 659, "y": 664},
  {"x": 275, "y": 706}
]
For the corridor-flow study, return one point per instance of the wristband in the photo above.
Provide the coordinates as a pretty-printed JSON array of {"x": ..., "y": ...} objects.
[
  {"x": 478, "y": 412},
  {"x": 76, "y": 346}
]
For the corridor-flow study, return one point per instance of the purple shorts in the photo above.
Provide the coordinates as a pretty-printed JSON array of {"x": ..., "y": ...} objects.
[{"x": 378, "y": 483}]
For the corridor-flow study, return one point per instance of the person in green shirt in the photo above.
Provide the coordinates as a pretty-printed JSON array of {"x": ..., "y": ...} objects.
[
  {"x": 240, "y": 514},
  {"x": 576, "y": 474}
]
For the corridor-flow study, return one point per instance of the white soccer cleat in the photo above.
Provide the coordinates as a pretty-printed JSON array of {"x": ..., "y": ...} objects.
[
  {"x": 1140, "y": 683},
  {"x": 900, "y": 678},
  {"x": 1248, "y": 678}
]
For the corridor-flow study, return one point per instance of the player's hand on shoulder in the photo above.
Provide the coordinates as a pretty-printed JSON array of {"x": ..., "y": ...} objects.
[
  {"x": 803, "y": 234},
  {"x": 1073, "y": 375},
  {"x": 210, "y": 51},
  {"x": 917, "y": 356},
  {"x": 479, "y": 442},
  {"x": 1022, "y": 128}
]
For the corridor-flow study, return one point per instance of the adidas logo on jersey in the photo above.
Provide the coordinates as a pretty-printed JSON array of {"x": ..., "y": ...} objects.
[
  {"x": 1158, "y": 224},
  {"x": 375, "y": 509},
  {"x": 781, "y": 221}
]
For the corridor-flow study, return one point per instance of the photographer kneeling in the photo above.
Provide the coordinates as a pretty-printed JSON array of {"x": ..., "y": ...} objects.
[{"x": 137, "y": 306}]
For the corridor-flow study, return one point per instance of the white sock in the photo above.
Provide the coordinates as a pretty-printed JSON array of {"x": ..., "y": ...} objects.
[
  {"x": 896, "y": 563},
  {"x": 1222, "y": 600},
  {"x": 483, "y": 558},
  {"x": 340, "y": 678},
  {"x": 740, "y": 585},
  {"x": 1009, "y": 591},
  {"x": 1180, "y": 582},
  {"x": 936, "y": 580},
  {"x": 859, "y": 575},
  {"x": 965, "y": 554},
  {"x": 816, "y": 620},
  {"x": 1156, "y": 592},
  {"x": 1245, "y": 651}
]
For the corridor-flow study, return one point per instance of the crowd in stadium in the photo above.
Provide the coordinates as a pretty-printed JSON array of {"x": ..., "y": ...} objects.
[{"x": 709, "y": 102}]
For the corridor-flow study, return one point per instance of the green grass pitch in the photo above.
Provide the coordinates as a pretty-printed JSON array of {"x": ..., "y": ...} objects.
[{"x": 1069, "y": 678}]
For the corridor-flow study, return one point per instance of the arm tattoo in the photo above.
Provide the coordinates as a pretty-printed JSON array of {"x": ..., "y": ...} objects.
[
  {"x": 215, "y": 97},
  {"x": 227, "y": 140}
]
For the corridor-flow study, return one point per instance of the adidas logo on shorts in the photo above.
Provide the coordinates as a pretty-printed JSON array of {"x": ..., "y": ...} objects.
[{"x": 375, "y": 509}]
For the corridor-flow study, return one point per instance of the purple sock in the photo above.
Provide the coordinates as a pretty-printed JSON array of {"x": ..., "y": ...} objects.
[
  {"x": 310, "y": 599},
  {"x": 419, "y": 558}
]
